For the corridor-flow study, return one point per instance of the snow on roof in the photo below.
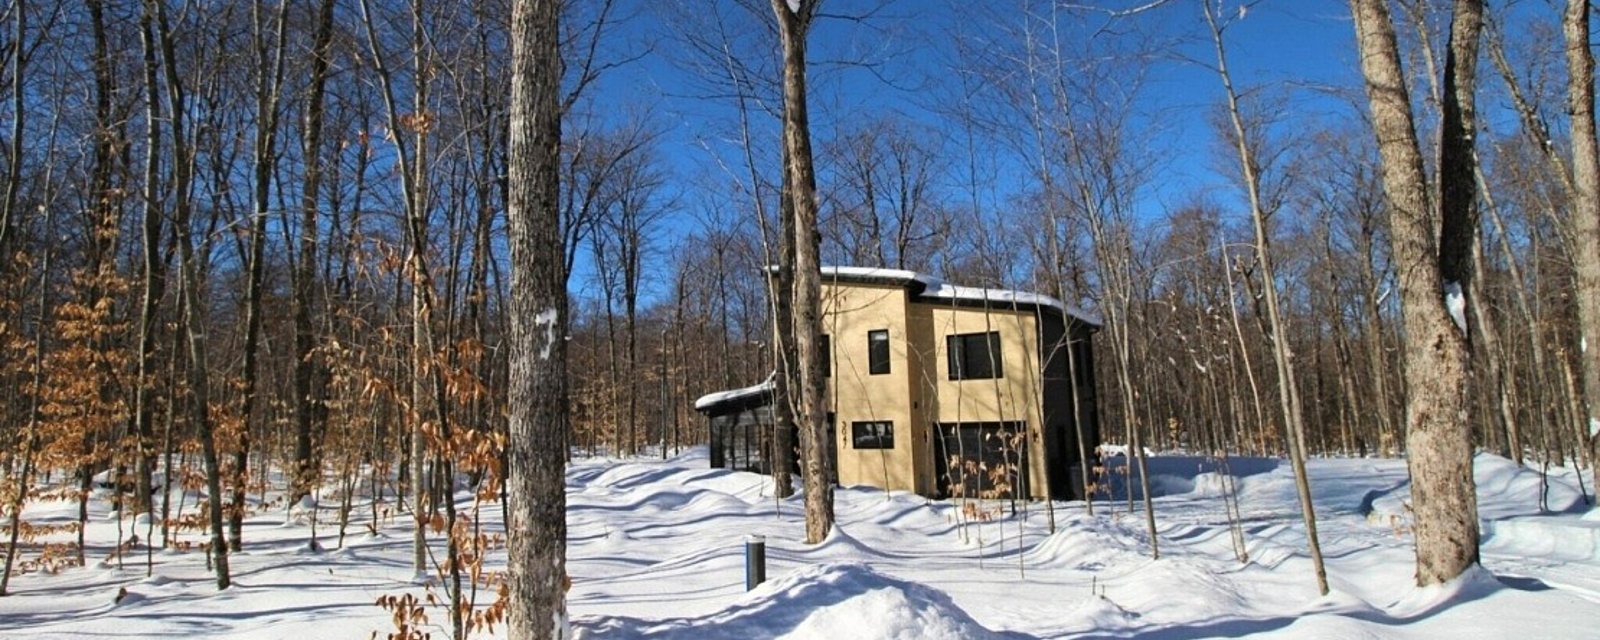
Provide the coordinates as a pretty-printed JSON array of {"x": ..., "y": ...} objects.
[
  {"x": 871, "y": 272},
  {"x": 933, "y": 287},
  {"x": 712, "y": 399},
  {"x": 1006, "y": 297}
]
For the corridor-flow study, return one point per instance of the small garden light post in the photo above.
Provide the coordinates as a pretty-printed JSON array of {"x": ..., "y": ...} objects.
[{"x": 755, "y": 561}]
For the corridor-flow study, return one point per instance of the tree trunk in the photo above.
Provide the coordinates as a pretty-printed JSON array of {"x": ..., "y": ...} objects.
[
  {"x": 194, "y": 320},
  {"x": 30, "y": 439},
  {"x": 1282, "y": 358},
  {"x": 810, "y": 413},
  {"x": 19, "y": 61},
  {"x": 784, "y": 355},
  {"x": 1585, "y": 208},
  {"x": 536, "y": 519},
  {"x": 1438, "y": 437},
  {"x": 153, "y": 275},
  {"x": 304, "y": 340},
  {"x": 268, "y": 82}
]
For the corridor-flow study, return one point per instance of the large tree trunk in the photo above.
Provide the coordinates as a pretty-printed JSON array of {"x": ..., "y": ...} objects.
[
  {"x": 536, "y": 518},
  {"x": 1438, "y": 435},
  {"x": 810, "y": 412},
  {"x": 1585, "y": 207}
]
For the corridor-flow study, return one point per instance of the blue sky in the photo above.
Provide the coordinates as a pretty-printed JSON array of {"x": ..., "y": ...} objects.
[{"x": 1294, "y": 48}]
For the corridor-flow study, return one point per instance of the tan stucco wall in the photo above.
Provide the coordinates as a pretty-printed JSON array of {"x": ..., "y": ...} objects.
[
  {"x": 849, "y": 313},
  {"x": 1015, "y": 396},
  {"x": 918, "y": 392}
]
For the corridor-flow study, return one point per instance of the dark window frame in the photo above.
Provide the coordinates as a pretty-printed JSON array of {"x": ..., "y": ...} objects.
[
  {"x": 825, "y": 353},
  {"x": 881, "y": 437},
  {"x": 964, "y": 361},
  {"x": 878, "y": 352}
]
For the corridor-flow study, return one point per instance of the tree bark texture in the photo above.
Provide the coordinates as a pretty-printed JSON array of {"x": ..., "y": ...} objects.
[
  {"x": 782, "y": 345},
  {"x": 536, "y": 519},
  {"x": 810, "y": 412},
  {"x": 1438, "y": 435},
  {"x": 1585, "y": 206},
  {"x": 194, "y": 320}
]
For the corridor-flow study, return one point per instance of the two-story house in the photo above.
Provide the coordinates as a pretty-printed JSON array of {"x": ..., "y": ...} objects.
[{"x": 937, "y": 389}]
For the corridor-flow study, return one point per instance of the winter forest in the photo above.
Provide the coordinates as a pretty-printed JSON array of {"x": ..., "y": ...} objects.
[{"x": 387, "y": 318}]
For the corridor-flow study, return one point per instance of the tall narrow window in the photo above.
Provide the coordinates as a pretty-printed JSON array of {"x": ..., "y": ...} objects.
[
  {"x": 825, "y": 354},
  {"x": 876, "y": 434},
  {"x": 974, "y": 356},
  {"x": 878, "y": 351}
]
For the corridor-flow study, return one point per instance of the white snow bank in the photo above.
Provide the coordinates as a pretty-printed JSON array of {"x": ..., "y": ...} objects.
[
  {"x": 1475, "y": 583},
  {"x": 655, "y": 548},
  {"x": 1086, "y": 543},
  {"x": 1175, "y": 475},
  {"x": 822, "y": 602},
  {"x": 1113, "y": 450},
  {"x": 1505, "y": 490},
  {"x": 1562, "y": 538}
]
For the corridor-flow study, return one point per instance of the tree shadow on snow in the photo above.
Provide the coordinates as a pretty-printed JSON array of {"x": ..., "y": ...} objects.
[{"x": 1476, "y": 585}]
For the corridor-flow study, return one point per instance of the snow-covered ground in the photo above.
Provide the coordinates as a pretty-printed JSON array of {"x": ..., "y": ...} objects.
[{"x": 656, "y": 550}]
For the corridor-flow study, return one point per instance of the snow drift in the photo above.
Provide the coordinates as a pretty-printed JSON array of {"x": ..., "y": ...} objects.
[{"x": 822, "y": 602}]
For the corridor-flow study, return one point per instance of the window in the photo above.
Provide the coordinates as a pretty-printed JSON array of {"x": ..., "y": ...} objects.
[
  {"x": 877, "y": 434},
  {"x": 878, "y": 351},
  {"x": 825, "y": 355},
  {"x": 974, "y": 356}
]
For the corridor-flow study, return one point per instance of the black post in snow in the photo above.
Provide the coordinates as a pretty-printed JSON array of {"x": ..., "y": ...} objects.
[{"x": 755, "y": 561}]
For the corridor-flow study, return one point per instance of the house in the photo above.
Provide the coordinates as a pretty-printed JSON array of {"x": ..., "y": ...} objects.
[{"x": 937, "y": 389}]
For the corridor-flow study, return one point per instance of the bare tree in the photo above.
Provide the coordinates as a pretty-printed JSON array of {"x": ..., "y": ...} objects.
[
  {"x": 305, "y": 369},
  {"x": 1585, "y": 208},
  {"x": 637, "y": 206},
  {"x": 19, "y": 62},
  {"x": 794, "y": 23},
  {"x": 886, "y": 208},
  {"x": 1282, "y": 358},
  {"x": 269, "y": 52},
  {"x": 158, "y": 35},
  {"x": 30, "y": 438}
]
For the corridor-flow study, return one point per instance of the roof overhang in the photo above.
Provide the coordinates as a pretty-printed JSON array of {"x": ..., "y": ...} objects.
[{"x": 925, "y": 288}]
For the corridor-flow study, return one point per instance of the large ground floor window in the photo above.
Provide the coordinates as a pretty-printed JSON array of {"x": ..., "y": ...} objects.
[{"x": 981, "y": 459}]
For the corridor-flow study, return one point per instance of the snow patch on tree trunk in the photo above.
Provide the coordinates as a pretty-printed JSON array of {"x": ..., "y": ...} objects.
[
  {"x": 1456, "y": 304},
  {"x": 546, "y": 320}
]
